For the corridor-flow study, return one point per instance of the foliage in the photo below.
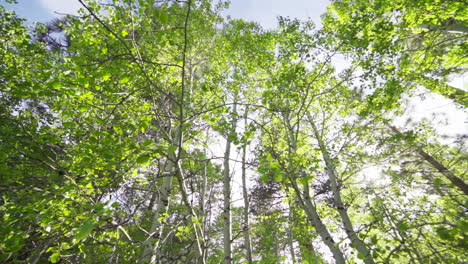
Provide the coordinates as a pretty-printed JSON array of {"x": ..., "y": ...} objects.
[{"x": 112, "y": 124}]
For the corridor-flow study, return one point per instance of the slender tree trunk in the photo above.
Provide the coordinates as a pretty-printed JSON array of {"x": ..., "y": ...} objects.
[
  {"x": 455, "y": 180},
  {"x": 457, "y": 95},
  {"x": 356, "y": 242},
  {"x": 314, "y": 218},
  {"x": 247, "y": 241},
  {"x": 194, "y": 219},
  {"x": 184, "y": 101},
  {"x": 290, "y": 233},
  {"x": 202, "y": 203},
  {"x": 307, "y": 205},
  {"x": 227, "y": 231},
  {"x": 149, "y": 249},
  {"x": 456, "y": 28},
  {"x": 227, "y": 205}
]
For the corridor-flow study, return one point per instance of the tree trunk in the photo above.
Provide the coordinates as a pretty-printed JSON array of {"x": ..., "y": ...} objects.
[
  {"x": 202, "y": 203},
  {"x": 457, "y": 95},
  {"x": 320, "y": 227},
  {"x": 227, "y": 232},
  {"x": 456, "y": 28},
  {"x": 455, "y": 180},
  {"x": 290, "y": 233},
  {"x": 356, "y": 242},
  {"x": 307, "y": 205},
  {"x": 149, "y": 250},
  {"x": 247, "y": 240}
]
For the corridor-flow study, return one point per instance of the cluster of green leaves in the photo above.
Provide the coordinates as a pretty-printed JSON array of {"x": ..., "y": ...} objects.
[{"x": 402, "y": 44}]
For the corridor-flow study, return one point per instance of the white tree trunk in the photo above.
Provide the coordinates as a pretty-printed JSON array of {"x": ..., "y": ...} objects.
[
  {"x": 356, "y": 242},
  {"x": 247, "y": 241},
  {"x": 290, "y": 233},
  {"x": 227, "y": 230},
  {"x": 455, "y": 28},
  {"x": 149, "y": 249},
  {"x": 454, "y": 179},
  {"x": 308, "y": 206}
]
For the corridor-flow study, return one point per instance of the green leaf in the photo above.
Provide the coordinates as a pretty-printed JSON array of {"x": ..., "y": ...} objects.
[
  {"x": 444, "y": 233},
  {"x": 106, "y": 77},
  {"x": 82, "y": 108},
  {"x": 361, "y": 256},
  {"x": 278, "y": 177},
  {"x": 143, "y": 159},
  {"x": 163, "y": 17},
  {"x": 264, "y": 178},
  {"x": 54, "y": 258},
  {"x": 84, "y": 230},
  {"x": 303, "y": 181},
  {"x": 56, "y": 85},
  {"x": 124, "y": 80},
  {"x": 172, "y": 149}
]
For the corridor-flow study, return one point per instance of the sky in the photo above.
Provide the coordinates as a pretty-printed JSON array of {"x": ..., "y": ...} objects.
[{"x": 261, "y": 11}]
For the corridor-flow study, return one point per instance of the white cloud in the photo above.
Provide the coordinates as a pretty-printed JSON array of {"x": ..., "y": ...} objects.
[{"x": 61, "y": 6}]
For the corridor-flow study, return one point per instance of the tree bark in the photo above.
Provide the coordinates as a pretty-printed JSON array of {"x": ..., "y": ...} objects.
[
  {"x": 307, "y": 205},
  {"x": 247, "y": 240},
  {"x": 356, "y": 242},
  {"x": 314, "y": 218},
  {"x": 290, "y": 233},
  {"x": 455, "y": 180},
  {"x": 456, "y": 28},
  {"x": 227, "y": 230},
  {"x": 455, "y": 94},
  {"x": 149, "y": 250},
  {"x": 202, "y": 203}
]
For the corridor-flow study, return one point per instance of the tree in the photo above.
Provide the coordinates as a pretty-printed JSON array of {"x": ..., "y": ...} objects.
[{"x": 404, "y": 43}]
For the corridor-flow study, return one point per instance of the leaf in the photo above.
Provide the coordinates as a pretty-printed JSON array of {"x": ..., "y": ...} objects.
[
  {"x": 172, "y": 149},
  {"x": 106, "y": 77},
  {"x": 444, "y": 233},
  {"x": 301, "y": 151},
  {"x": 50, "y": 249},
  {"x": 402, "y": 226},
  {"x": 303, "y": 181},
  {"x": 264, "y": 178},
  {"x": 84, "y": 231},
  {"x": 163, "y": 17},
  {"x": 278, "y": 177},
  {"x": 124, "y": 80},
  {"x": 56, "y": 85},
  {"x": 82, "y": 108},
  {"x": 54, "y": 258},
  {"x": 143, "y": 159},
  {"x": 361, "y": 256}
]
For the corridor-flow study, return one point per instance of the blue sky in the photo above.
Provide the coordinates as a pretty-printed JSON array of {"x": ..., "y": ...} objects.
[{"x": 262, "y": 11}]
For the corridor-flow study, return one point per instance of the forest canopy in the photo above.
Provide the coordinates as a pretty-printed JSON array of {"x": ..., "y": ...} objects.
[{"x": 162, "y": 131}]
